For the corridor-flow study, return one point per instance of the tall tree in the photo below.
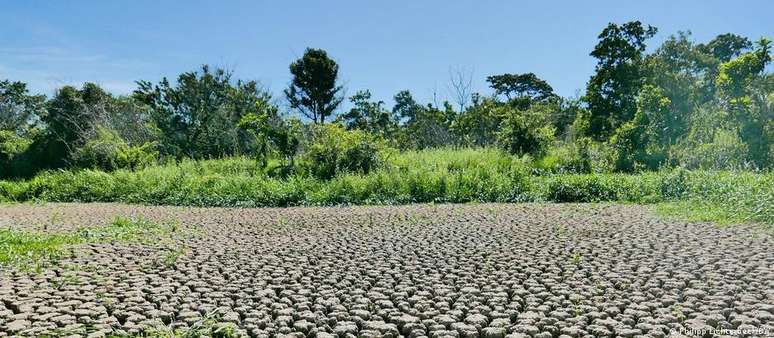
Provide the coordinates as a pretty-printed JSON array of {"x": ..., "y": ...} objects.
[
  {"x": 198, "y": 116},
  {"x": 725, "y": 47},
  {"x": 747, "y": 92},
  {"x": 521, "y": 89},
  {"x": 18, "y": 109},
  {"x": 313, "y": 90},
  {"x": 612, "y": 91},
  {"x": 71, "y": 120},
  {"x": 405, "y": 108}
]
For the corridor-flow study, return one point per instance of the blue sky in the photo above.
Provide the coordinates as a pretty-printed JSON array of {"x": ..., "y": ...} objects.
[{"x": 382, "y": 46}]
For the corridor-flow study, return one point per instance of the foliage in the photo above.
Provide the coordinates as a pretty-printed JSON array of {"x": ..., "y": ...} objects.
[
  {"x": 726, "y": 150},
  {"x": 271, "y": 132},
  {"x": 70, "y": 121},
  {"x": 641, "y": 143},
  {"x": 725, "y": 47},
  {"x": 333, "y": 150},
  {"x": 19, "y": 111},
  {"x": 439, "y": 175},
  {"x": 477, "y": 126},
  {"x": 688, "y": 104},
  {"x": 313, "y": 90},
  {"x": 11, "y": 147},
  {"x": 369, "y": 116},
  {"x": 107, "y": 151},
  {"x": 33, "y": 249},
  {"x": 748, "y": 95},
  {"x": 522, "y": 133},
  {"x": 521, "y": 89},
  {"x": 613, "y": 89},
  {"x": 198, "y": 116}
]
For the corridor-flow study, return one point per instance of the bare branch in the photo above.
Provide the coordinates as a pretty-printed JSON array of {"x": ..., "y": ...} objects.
[{"x": 460, "y": 86}]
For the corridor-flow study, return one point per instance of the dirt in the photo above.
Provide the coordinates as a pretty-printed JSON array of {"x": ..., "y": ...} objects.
[{"x": 486, "y": 270}]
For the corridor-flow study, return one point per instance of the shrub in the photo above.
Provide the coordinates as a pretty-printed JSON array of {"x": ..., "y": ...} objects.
[
  {"x": 519, "y": 134},
  {"x": 11, "y": 147},
  {"x": 333, "y": 150},
  {"x": 107, "y": 151},
  {"x": 726, "y": 151},
  {"x": 580, "y": 188}
]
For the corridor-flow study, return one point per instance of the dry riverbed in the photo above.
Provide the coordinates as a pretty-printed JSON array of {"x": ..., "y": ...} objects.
[{"x": 488, "y": 270}]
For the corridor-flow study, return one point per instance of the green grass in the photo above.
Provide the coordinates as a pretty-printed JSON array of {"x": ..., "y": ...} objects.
[
  {"x": 431, "y": 176},
  {"x": 32, "y": 250}
]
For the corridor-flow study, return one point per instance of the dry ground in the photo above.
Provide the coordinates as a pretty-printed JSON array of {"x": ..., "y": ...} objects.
[{"x": 489, "y": 270}]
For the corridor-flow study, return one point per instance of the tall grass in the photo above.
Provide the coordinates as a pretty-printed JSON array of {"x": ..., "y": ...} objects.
[{"x": 439, "y": 175}]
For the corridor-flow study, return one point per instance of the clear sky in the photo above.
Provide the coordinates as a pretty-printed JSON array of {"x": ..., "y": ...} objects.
[{"x": 384, "y": 46}]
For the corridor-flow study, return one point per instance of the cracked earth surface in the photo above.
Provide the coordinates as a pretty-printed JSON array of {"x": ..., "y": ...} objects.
[{"x": 487, "y": 270}]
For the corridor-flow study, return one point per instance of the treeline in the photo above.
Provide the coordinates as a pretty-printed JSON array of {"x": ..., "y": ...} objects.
[{"x": 695, "y": 105}]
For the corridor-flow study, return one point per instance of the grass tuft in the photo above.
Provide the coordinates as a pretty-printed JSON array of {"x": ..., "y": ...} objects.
[{"x": 32, "y": 250}]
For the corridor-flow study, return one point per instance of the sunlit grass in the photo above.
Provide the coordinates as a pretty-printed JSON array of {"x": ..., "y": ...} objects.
[
  {"x": 428, "y": 176},
  {"x": 34, "y": 250},
  {"x": 30, "y": 250}
]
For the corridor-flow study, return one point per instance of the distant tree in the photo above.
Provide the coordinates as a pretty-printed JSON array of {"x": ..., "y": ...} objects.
[
  {"x": 524, "y": 131},
  {"x": 747, "y": 93},
  {"x": 641, "y": 143},
  {"x": 198, "y": 116},
  {"x": 313, "y": 90},
  {"x": 272, "y": 132},
  {"x": 132, "y": 121},
  {"x": 736, "y": 75},
  {"x": 725, "y": 47},
  {"x": 563, "y": 113},
  {"x": 422, "y": 126},
  {"x": 19, "y": 111},
  {"x": 478, "y": 124},
  {"x": 71, "y": 120},
  {"x": 405, "y": 108},
  {"x": 521, "y": 89},
  {"x": 368, "y": 115},
  {"x": 678, "y": 68},
  {"x": 612, "y": 91}
]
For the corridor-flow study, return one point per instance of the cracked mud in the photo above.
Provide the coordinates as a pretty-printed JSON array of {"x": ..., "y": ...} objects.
[{"x": 489, "y": 270}]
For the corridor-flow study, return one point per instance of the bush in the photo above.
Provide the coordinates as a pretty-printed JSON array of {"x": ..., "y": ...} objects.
[
  {"x": 11, "y": 147},
  {"x": 334, "y": 150},
  {"x": 107, "y": 151},
  {"x": 726, "y": 151},
  {"x": 519, "y": 134}
]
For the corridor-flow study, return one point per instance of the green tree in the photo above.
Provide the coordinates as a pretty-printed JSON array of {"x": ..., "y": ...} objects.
[
  {"x": 198, "y": 116},
  {"x": 612, "y": 91},
  {"x": 368, "y": 115},
  {"x": 71, "y": 120},
  {"x": 521, "y": 90},
  {"x": 524, "y": 131},
  {"x": 421, "y": 126},
  {"x": 478, "y": 124},
  {"x": 271, "y": 132},
  {"x": 19, "y": 111},
  {"x": 313, "y": 90},
  {"x": 642, "y": 143},
  {"x": 747, "y": 93},
  {"x": 725, "y": 47},
  {"x": 406, "y": 108}
]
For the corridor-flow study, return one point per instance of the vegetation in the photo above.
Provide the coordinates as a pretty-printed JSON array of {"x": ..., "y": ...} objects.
[
  {"x": 435, "y": 176},
  {"x": 30, "y": 249},
  {"x": 701, "y": 112}
]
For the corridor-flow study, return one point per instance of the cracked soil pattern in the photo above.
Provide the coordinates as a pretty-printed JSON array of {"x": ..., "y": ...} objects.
[{"x": 478, "y": 270}]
